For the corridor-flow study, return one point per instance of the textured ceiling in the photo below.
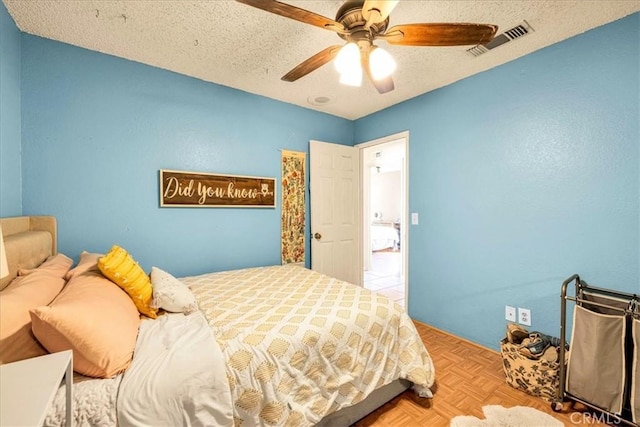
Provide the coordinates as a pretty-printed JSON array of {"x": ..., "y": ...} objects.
[{"x": 235, "y": 45}]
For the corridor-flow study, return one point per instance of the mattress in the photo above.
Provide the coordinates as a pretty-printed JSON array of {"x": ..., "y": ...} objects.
[{"x": 300, "y": 344}]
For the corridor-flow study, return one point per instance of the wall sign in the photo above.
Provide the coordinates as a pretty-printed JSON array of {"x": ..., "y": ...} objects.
[{"x": 198, "y": 189}]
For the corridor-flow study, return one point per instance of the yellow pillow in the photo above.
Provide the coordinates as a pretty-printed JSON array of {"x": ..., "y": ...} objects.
[{"x": 121, "y": 268}]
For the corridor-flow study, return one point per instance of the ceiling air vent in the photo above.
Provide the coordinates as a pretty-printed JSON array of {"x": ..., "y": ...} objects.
[{"x": 509, "y": 35}]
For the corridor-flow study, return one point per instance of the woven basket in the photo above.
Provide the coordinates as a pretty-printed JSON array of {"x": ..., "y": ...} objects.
[{"x": 536, "y": 377}]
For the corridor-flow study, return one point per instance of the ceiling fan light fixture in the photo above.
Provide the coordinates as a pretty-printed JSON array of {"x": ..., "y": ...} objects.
[
  {"x": 348, "y": 58},
  {"x": 381, "y": 63},
  {"x": 352, "y": 77},
  {"x": 347, "y": 63}
]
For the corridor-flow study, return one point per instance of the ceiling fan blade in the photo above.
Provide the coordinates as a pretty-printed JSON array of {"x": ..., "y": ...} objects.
[
  {"x": 440, "y": 34},
  {"x": 295, "y": 13},
  {"x": 375, "y": 11},
  {"x": 383, "y": 85},
  {"x": 311, "y": 64}
]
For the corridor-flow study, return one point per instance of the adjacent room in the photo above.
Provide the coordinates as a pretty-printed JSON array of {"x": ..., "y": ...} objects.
[
  {"x": 254, "y": 212},
  {"x": 384, "y": 208}
]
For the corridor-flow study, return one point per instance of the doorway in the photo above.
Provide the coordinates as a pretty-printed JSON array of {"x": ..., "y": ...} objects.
[{"x": 384, "y": 169}]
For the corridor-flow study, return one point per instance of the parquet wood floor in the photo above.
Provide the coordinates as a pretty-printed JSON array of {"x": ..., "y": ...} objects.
[{"x": 468, "y": 377}]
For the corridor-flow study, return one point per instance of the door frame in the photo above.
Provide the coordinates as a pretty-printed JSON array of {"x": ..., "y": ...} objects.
[{"x": 404, "y": 233}]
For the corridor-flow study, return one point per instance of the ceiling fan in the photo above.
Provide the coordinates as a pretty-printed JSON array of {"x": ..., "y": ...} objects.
[{"x": 359, "y": 23}]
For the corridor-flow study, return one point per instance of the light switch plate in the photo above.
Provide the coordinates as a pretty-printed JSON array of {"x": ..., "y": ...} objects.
[
  {"x": 414, "y": 218},
  {"x": 510, "y": 313}
]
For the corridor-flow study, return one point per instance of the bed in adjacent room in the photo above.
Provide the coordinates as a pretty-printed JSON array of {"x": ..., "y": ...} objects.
[
  {"x": 275, "y": 345},
  {"x": 384, "y": 236}
]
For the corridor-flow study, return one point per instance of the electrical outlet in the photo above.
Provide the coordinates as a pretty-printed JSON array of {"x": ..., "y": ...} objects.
[
  {"x": 524, "y": 316},
  {"x": 510, "y": 313}
]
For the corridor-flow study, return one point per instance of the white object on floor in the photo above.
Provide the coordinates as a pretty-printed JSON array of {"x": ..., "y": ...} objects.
[
  {"x": 498, "y": 416},
  {"x": 28, "y": 387}
]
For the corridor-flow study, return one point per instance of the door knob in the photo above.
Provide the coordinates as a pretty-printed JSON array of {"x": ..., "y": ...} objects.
[{"x": 318, "y": 236}]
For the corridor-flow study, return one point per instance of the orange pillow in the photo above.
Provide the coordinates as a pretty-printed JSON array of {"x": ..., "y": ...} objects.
[
  {"x": 95, "y": 319},
  {"x": 24, "y": 293},
  {"x": 88, "y": 261},
  {"x": 123, "y": 270},
  {"x": 57, "y": 265}
]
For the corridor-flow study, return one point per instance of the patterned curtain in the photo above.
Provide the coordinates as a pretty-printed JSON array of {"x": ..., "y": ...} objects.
[{"x": 293, "y": 213}]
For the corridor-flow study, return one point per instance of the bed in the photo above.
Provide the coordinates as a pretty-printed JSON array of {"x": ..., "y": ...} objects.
[
  {"x": 275, "y": 345},
  {"x": 384, "y": 236}
]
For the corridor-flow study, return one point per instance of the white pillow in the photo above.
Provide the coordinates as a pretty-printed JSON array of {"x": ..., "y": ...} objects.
[{"x": 171, "y": 294}]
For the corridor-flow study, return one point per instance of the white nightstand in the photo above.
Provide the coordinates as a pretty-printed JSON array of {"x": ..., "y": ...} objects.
[{"x": 28, "y": 387}]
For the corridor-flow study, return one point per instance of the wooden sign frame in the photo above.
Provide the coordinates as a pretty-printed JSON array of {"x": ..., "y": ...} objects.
[{"x": 207, "y": 190}]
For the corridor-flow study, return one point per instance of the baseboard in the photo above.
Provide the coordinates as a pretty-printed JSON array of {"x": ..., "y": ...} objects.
[{"x": 457, "y": 337}]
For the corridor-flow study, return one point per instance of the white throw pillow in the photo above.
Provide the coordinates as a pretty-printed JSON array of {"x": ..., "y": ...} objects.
[{"x": 171, "y": 294}]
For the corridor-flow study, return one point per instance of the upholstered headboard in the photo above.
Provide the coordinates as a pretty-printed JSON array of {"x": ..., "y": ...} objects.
[{"x": 28, "y": 241}]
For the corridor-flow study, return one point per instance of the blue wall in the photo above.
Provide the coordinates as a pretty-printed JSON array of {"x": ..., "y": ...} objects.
[
  {"x": 10, "y": 171},
  {"x": 523, "y": 175},
  {"x": 96, "y": 130}
]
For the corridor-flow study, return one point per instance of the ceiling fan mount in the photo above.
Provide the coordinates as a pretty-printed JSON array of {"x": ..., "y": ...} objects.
[
  {"x": 363, "y": 21},
  {"x": 351, "y": 17}
]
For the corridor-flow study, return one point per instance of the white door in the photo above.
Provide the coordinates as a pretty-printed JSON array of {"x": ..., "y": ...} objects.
[{"x": 334, "y": 187}]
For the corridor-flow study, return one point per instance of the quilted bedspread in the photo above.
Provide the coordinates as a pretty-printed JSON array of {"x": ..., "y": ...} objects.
[{"x": 299, "y": 345}]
